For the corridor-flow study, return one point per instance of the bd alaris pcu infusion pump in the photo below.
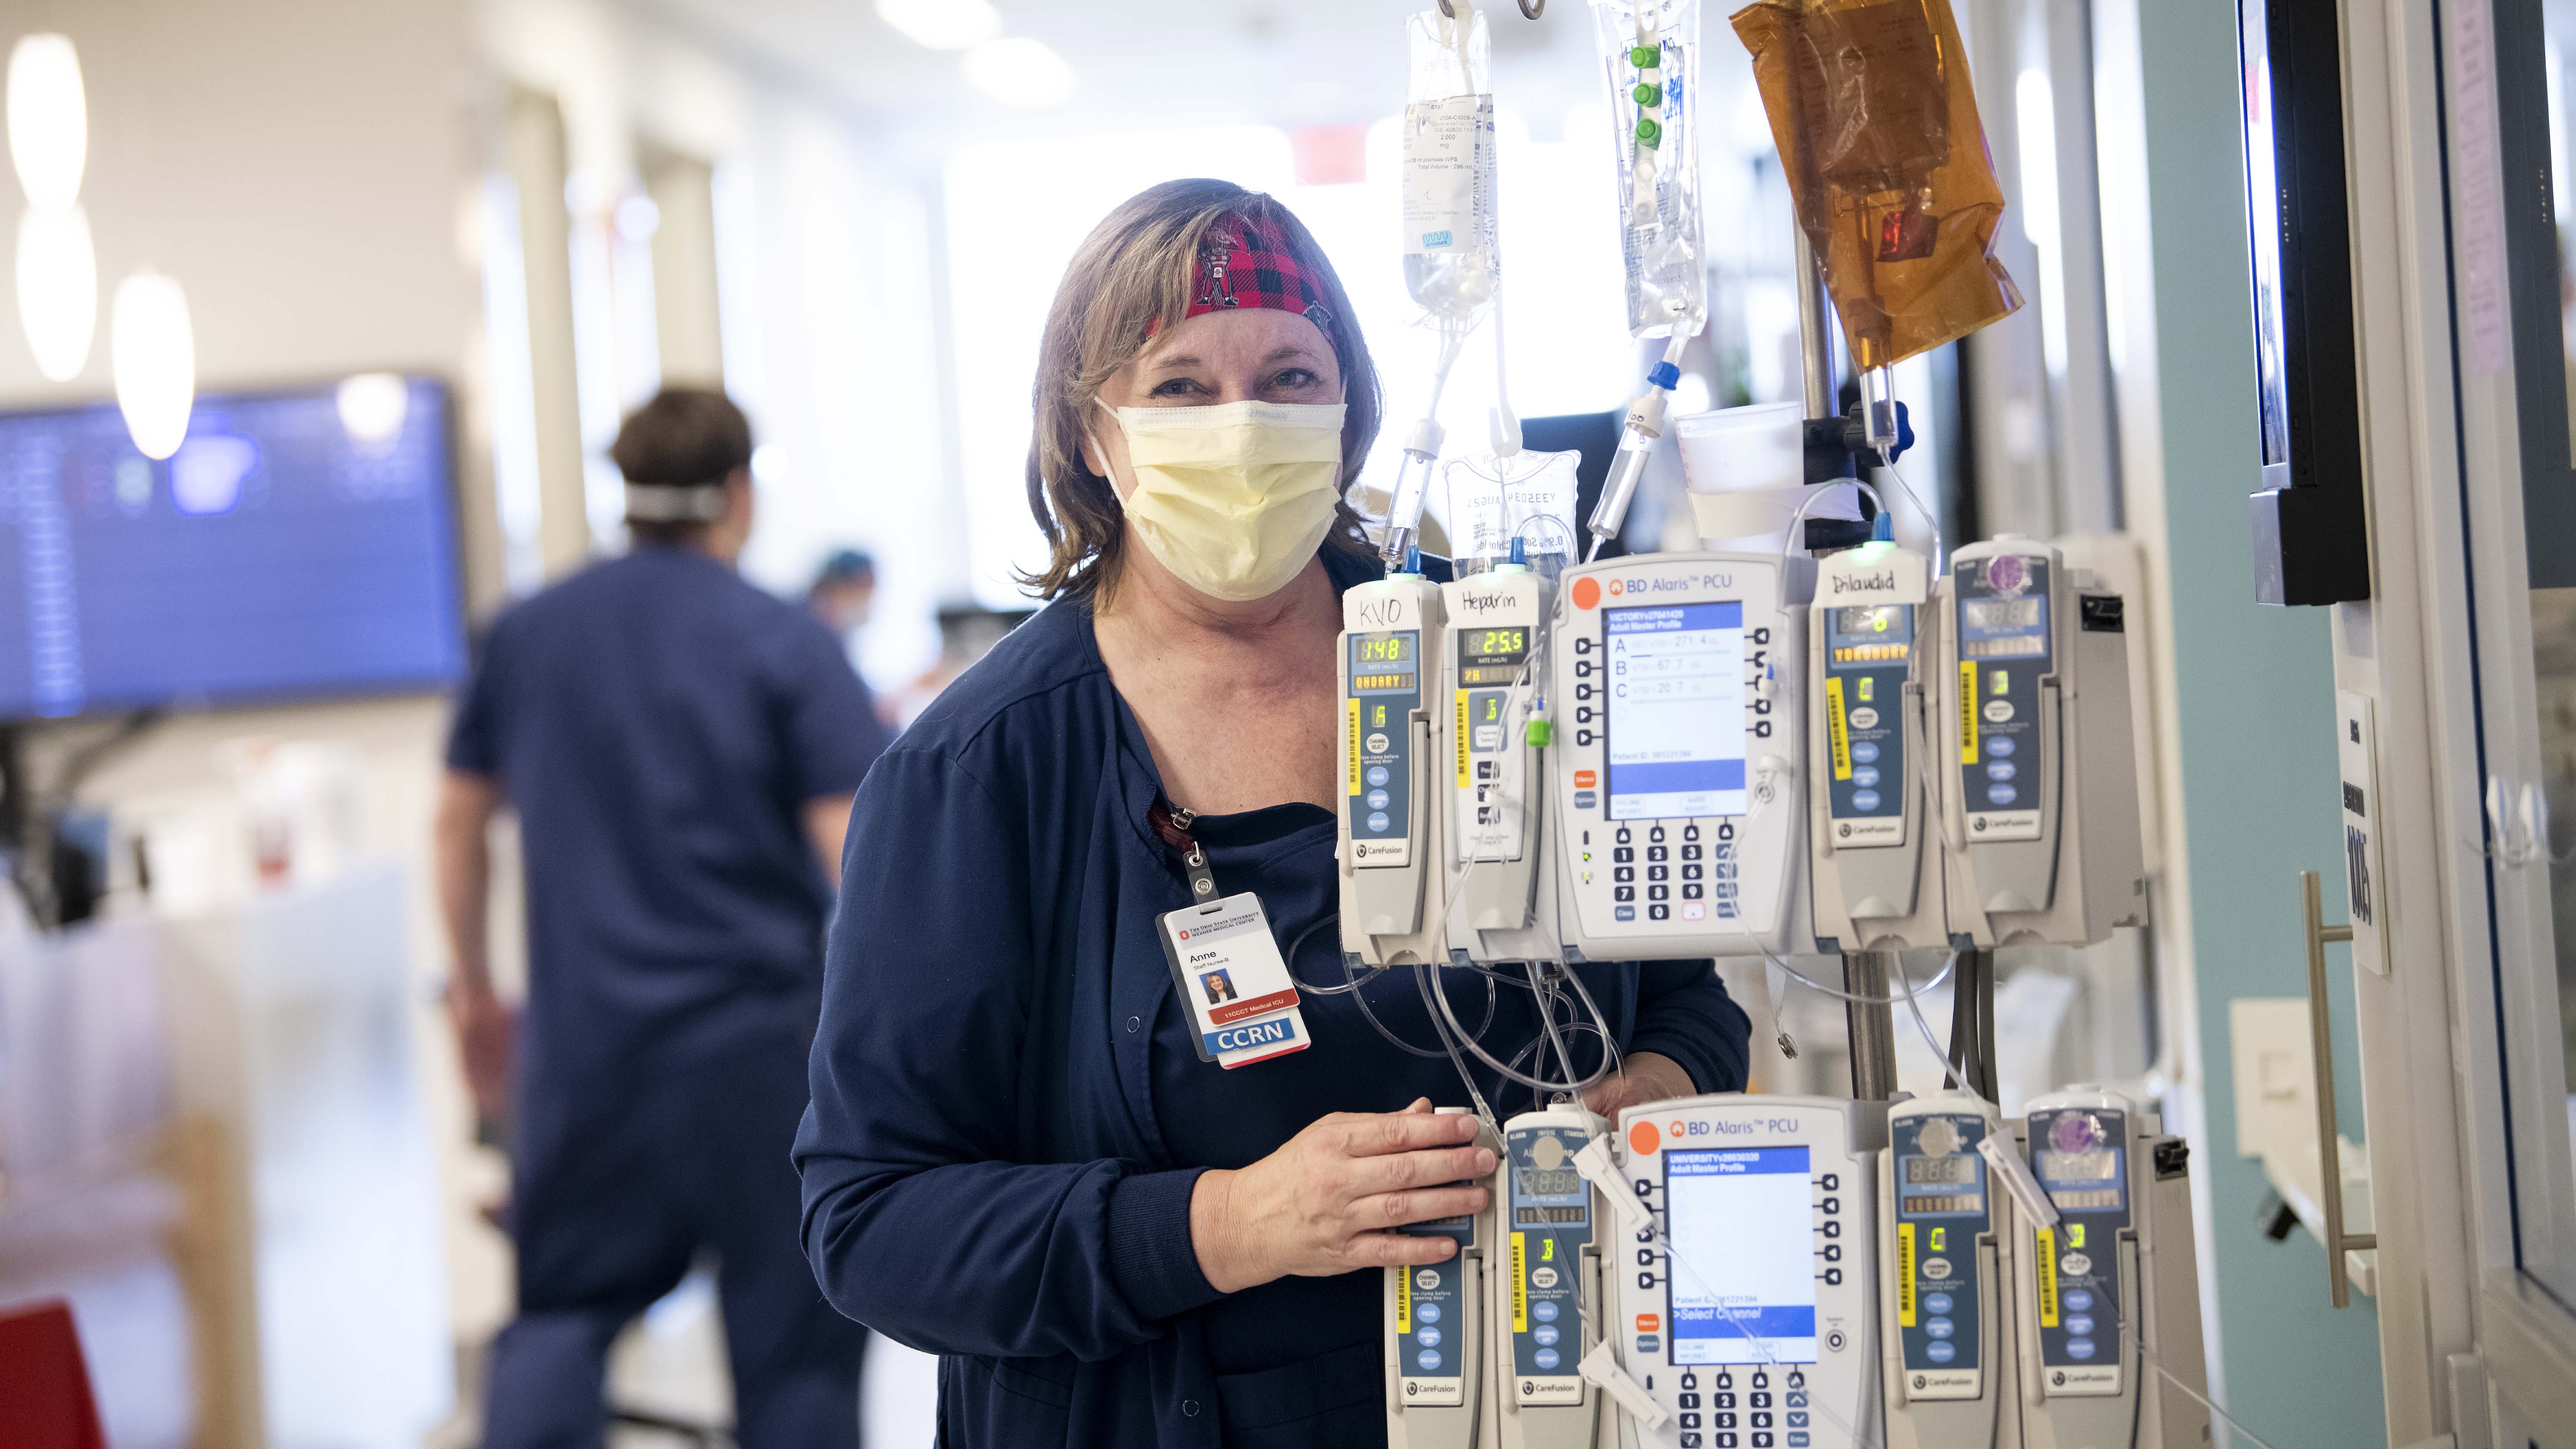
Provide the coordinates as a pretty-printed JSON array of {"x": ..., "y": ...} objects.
[
  {"x": 1680, "y": 805},
  {"x": 1746, "y": 1305}
]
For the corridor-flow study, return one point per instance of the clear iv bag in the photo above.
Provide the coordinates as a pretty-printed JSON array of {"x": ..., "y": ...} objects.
[
  {"x": 1496, "y": 500},
  {"x": 1654, "y": 116},
  {"x": 1451, "y": 266}
]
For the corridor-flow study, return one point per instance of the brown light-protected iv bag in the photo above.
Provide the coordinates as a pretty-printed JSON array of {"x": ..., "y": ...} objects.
[{"x": 1876, "y": 121}]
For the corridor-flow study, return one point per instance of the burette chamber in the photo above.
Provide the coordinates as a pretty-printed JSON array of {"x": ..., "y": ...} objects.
[
  {"x": 1650, "y": 64},
  {"x": 1452, "y": 268}
]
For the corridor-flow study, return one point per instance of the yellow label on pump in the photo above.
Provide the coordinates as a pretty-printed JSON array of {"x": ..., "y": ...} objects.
[
  {"x": 1904, "y": 1276},
  {"x": 1403, "y": 1301},
  {"x": 1462, "y": 739},
  {"x": 2047, "y": 1278},
  {"x": 1967, "y": 712},
  {"x": 1837, "y": 734},
  {"x": 1352, "y": 753},
  {"x": 1520, "y": 1282}
]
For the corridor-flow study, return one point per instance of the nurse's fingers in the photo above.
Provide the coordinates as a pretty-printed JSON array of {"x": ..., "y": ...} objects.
[
  {"x": 1408, "y": 1131},
  {"x": 1366, "y": 1176},
  {"x": 1379, "y": 1250},
  {"x": 1396, "y": 1209}
]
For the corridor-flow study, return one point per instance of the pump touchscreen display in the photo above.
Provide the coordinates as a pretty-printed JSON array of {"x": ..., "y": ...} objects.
[
  {"x": 1743, "y": 1226},
  {"x": 1676, "y": 738}
]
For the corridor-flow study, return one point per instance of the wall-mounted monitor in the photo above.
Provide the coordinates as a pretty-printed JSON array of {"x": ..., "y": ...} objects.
[
  {"x": 2311, "y": 535},
  {"x": 301, "y": 544}
]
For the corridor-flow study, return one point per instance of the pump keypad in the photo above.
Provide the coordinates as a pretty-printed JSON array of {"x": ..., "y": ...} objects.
[
  {"x": 1869, "y": 659},
  {"x": 1943, "y": 1210},
  {"x": 1384, "y": 670},
  {"x": 1549, "y": 1227},
  {"x": 2080, "y": 1156},
  {"x": 2006, "y": 647}
]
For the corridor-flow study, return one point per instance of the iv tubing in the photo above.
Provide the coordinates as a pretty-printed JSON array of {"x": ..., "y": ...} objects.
[{"x": 1645, "y": 424}]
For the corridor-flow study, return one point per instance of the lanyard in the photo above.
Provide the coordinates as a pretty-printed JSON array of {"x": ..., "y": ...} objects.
[{"x": 1172, "y": 823}]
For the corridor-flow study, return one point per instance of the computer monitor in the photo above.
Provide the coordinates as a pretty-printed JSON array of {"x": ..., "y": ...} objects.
[{"x": 300, "y": 544}]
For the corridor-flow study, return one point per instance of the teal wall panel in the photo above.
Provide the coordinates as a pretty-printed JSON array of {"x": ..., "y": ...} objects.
[{"x": 2255, "y": 691}]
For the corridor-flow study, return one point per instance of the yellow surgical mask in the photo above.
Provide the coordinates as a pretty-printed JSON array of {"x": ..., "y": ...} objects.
[{"x": 1234, "y": 498}]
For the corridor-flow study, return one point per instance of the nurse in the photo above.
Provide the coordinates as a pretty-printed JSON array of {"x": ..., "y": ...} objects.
[
  {"x": 1014, "y": 1156},
  {"x": 680, "y": 748}
]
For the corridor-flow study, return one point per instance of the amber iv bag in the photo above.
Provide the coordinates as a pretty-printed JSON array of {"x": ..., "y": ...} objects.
[{"x": 1876, "y": 121}]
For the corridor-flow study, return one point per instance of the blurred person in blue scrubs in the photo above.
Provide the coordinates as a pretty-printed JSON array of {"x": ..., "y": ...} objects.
[
  {"x": 681, "y": 749},
  {"x": 844, "y": 590}
]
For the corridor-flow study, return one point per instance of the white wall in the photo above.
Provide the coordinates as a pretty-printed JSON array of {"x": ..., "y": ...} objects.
[{"x": 825, "y": 255}]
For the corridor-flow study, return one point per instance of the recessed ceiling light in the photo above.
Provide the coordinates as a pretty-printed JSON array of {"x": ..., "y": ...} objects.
[
  {"x": 942, "y": 24},
  {"x": 57, "y": 289},
  {"x": 48, "y": 120},
  {"x": 156, "y": 362},
  {"x": 1019, "y": 71}
]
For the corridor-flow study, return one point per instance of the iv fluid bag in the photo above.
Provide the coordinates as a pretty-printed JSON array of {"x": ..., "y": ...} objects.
[
  {"x": 1666, "y": 259},
  {"x": 1493, "y": 500},
  {"x": 1451, "y": 266},
  {"x": 1872, "y": 107}
]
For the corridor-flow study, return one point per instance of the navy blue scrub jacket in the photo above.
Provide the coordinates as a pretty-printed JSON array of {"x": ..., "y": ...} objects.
[{"x": 1007, "y": 1116}]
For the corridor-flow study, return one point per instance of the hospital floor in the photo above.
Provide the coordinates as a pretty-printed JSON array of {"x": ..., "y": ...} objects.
[{"x": 669, "y": 1368}]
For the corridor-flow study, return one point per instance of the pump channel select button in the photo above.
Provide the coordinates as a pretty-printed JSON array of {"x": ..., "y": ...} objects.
[
  {"x": 1864, "y": 718},
  {"x": 1999, "y": 711},
  {"x": 1376, "y": 743}
]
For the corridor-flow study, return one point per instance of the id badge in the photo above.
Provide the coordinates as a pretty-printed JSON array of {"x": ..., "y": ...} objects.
[{"x": 1227, "y": 966}]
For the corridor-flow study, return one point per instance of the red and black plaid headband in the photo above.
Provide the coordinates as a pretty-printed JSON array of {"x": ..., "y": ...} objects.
[{"x": 1246, "y": 261}]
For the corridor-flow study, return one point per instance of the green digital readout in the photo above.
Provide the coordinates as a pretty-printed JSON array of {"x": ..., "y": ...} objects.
[{"x": 1386, "y": 649}]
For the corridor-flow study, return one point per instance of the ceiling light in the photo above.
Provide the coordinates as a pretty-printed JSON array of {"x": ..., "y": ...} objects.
[
  {"x": 155, "y": 356},
  {"x": 373, "y": 406},
  {"x": 48, "y": 120},
  {"x": 942, "y": 24},
  {"x": 1019, "y": 71},
  {"x": 57, "y": 290}
]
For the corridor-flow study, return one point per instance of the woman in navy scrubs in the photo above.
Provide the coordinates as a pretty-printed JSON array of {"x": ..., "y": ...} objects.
[{"x": 1015, "y": 1157}]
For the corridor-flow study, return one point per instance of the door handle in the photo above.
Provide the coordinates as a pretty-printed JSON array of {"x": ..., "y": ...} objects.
[{"x": 2321, "y": 1059}]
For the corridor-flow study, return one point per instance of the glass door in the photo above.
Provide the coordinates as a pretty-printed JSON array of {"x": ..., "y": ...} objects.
[{"x": 2514, "y": 273}]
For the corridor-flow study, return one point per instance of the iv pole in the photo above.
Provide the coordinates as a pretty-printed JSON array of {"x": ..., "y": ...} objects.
[{"x": 1865, "y": 973}]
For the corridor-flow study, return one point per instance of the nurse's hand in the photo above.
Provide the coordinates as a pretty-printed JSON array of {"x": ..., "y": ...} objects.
[
  {"x": 1321, "y": 1204},
  {"x": 484, "y": 1033},
  {"x": 1643, "y": 1077}
]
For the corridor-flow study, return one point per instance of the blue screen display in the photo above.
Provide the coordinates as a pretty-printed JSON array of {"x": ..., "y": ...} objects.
[{"x": 285, "y": 551}]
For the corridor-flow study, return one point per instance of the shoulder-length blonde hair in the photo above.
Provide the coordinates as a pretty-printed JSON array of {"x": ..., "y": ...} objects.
[{"x": 1132, "y": 271}]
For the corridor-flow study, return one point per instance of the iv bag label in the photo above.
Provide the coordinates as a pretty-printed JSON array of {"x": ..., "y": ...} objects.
[{"x": 1448, "y": 175}]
